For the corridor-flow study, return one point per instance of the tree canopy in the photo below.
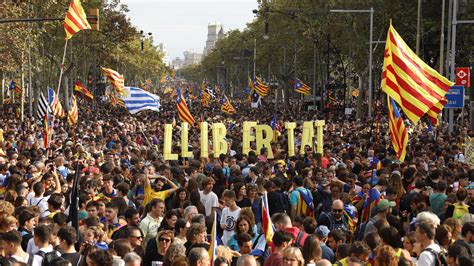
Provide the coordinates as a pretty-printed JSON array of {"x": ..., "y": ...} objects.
[{"x": 323, "y": 48}]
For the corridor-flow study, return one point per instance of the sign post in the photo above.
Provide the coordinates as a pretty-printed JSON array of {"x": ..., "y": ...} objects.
[
  {"x": 455, "y": 97},
  {"x": 463, "y": 76}
]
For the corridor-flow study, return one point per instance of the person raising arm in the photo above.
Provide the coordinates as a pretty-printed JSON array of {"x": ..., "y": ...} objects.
[{"x": 154, "y": 193}]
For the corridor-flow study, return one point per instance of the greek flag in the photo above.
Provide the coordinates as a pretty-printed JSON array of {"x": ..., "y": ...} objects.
[{"x": 136, "y": 100}]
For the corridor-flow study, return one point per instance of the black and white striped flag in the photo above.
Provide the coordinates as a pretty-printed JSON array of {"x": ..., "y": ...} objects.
[{"x": 43, "y": 107}]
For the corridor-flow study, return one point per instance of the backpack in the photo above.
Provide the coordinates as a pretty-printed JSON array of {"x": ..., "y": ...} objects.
[
  {"x": 297, "y": 243},
  {"x": 344, "y": 226},
  {"x": 460, "y": 210},
  {"x": 440, "y": 257},
  {"x": 30, "y": 260},
  {"x": 359, "y": 234},
  {"x": 283, "y": 203},
  {"x": 50, "y": 257}
]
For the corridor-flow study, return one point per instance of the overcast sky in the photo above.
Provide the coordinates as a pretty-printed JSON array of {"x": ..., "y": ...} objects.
[{"x": 182, "y": 24}]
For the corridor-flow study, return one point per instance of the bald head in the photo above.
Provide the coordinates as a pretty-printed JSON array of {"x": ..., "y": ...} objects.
[
  {"x": 323, "y": 263},
  {"x": 338, "y": 205}
]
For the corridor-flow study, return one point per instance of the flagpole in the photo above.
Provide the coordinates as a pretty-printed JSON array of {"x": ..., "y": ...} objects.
[
  {"x": 22, "y": 96},
  {"x": 3, "y": 88},
  {"x": 254, "y": 56},
  {"x": 62, "y": 67}
]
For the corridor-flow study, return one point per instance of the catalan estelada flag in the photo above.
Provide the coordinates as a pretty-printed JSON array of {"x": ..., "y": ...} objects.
[
  {"x": 370, "y": 202},
  {"x": 410, "y": 82},
  {"x": 204, "y": 94},
  {"x": 73, "y": 113},
  {"x": 267, "y": 225},
  {"x": 226, "y": 106},
  {"x": 55, "y": 104},
  {"x": 352, "y": 217},
  {"x": 75, "y": 20},
  {"x": 183, "y": 110},
  {"x": 398, "y": 132},
  {"x": 376, "y": 163},
  {"x": 14, "y": 87},
  {"x": 83, "y": 91},
  {"x": 305, "y": 205},
  {"x": 213, "y": 241},
  {"x": 302, "y": 88},
  {"x": 260, "y": 87},
  {"x": 116, "y": 80}
]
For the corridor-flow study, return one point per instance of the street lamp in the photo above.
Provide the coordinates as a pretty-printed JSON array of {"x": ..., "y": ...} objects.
[
  {"x": 371, "y": 12},
  {"x": 274, "y": 85},
  {"x": 142, "y": 39}
]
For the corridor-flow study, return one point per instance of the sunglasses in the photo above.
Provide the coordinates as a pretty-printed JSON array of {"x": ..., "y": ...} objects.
[
  {"x": 337, "y": 210},
  {"x": 167, "y": 240},
  {"x": 137, "y": 237}
]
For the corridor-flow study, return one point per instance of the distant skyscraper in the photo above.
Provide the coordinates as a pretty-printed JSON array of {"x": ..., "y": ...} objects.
[
  {"x": 166, "y": 58},
  {"x": 214, "y": 33}
]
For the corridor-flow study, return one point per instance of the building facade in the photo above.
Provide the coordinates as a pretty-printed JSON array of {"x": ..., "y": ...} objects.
[
  {"x": 215, "y": 32},
  {"x": 164, "y": 51}
]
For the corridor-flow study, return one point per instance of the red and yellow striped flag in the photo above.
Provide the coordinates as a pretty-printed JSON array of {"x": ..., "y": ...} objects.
[
  {"x": 226, "y": 106},
  {"x": 435, "y": 110},
  {"x": 75, "y": 20},
  {"x": 413, "y": 84},
  {"x": 302, "y": 88},
  {"x": 260, "y": 87},
  {"x": 267, "y": 225},
  {"x": 79, "y": 87},
  {"x": 398, "y": 132},
  {"x": 115, "y": 79},
  {"x": 73, "y": 113},
  {"x": 55, "y": 104},
  {"x": 213, "y": 243},
  {"x": 205, "y": 97},
  {"x": 46, "y": 131},
  {"x": 183, "y": 110}
]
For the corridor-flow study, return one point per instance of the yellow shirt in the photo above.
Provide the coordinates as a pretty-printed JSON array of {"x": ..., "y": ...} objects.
[
  {"x": 342, "y": 262},
  {"x": 152, "y": 194},
  {"x": 1, "y": 135}
]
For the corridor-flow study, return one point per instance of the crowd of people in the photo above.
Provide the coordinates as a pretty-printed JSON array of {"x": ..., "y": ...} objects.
[{"x": 354, "y": 204}]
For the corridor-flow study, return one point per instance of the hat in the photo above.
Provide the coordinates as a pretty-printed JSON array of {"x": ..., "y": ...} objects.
[
  {"x": 384, "y": 204},
  {"x": 281, "y": 162},
  {"x": 322, "y": 231},
  {"x": 397, "y": 172},
  {"x": 69, "y": 143},
  {"x": 102, "y": 246}
]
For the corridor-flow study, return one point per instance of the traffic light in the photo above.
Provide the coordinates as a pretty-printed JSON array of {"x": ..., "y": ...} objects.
[{"x": 93, "y": 18}]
